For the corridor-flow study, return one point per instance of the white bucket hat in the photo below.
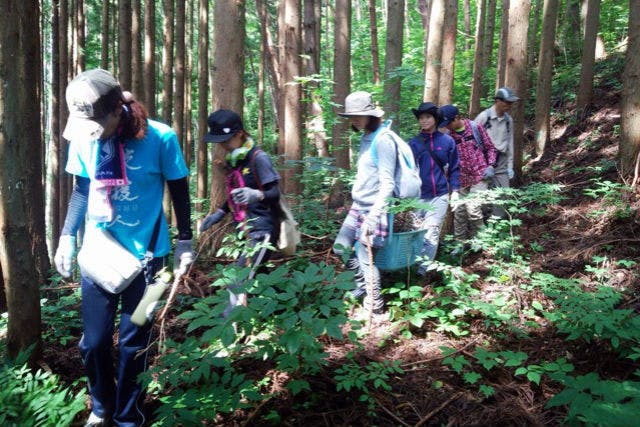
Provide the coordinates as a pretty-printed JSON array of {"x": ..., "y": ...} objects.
[{"x": 360, "y": 104}]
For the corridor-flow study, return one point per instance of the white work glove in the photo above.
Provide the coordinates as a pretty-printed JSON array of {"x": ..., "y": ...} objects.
[
  {"x": 510, "y": 173},
  {"x": 64, "y": 255},
  {"x": 454, "y": 200},
  {"x": 212, "y": 219},
  {"x": 246, "y": 195},
  {"x": 369, "y": 226},
  {"x": 182, "y": 257},
  {"x": 489, "y": 172}
]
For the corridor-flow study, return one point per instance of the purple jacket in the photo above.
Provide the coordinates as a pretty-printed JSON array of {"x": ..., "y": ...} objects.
[{"x": 435, "y": 182}]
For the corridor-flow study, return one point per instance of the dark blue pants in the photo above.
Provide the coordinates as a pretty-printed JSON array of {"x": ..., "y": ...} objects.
[{"x": 116, "y": 392}]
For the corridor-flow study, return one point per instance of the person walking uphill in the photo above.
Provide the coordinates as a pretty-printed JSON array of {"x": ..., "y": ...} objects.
[
  {"x": 120, "y": 160},
  {"x": 373, "y": 186},
  {"x": 499, "y": 125},
  {"x": 252, "y": 189},
  {"x": 436, "y": 156},
  {"x": 477, "y": 164}
]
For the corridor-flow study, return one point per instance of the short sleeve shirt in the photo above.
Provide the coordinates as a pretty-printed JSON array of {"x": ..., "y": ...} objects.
[
  {"x": 137, "y": 206},
  {"x": 261, "y": 214}
]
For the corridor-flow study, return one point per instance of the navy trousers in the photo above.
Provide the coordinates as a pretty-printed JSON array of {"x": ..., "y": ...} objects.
[{"x": 115, "y": 392}]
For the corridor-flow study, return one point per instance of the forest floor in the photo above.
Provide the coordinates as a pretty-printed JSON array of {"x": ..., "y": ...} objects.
[{"x": 430, "y": 393}]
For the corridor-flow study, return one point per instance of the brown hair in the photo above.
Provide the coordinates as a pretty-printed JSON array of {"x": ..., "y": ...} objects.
[{"x": 133, "y": 118}]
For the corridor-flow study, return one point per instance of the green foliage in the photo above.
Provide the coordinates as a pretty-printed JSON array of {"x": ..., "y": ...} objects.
[
  {"x": 589, "y": 315},
  {"x": 361, "y": 378},
  {"x": 612, "y": 195},
  {"x": 30, "y": 398},
  {"x": 592, "y": 401},
  {"x": 287, "y": 314},
  {"x": 410, "y": 309},
  {"x": 61, "y": 319}
]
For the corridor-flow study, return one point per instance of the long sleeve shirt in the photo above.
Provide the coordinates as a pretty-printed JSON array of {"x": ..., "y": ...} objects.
[
  {"x": 500, "y": 130},
  {"x": 435, "y": 181},
  {"x": 473, "y": 159},
  {"x": 375, "y": 180}
]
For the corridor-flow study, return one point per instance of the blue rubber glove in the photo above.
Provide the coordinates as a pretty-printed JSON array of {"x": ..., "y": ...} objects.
[
  {"x": 510, "y": 173},
  {"x": 246, "y": 195},
  {"x": 488, "y": 172},
  {"x": 212, "y": 219},
  {"x": 64, "y": 255},
  {"x": 182, "y": 257}
]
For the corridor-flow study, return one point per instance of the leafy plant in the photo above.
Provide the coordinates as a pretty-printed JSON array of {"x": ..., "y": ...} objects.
[
  {"x": 60, "y": 318},
  {"x": 612, "y": 196},
  {"x": 593, "y": 401},
  {"x": 29, "y": 398},
  {"x": 287, "y": 314},
  {"x": 374, "y": 374}
]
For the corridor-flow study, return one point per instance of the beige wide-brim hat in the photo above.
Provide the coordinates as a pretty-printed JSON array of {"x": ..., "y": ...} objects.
[{"x": 360, "y": 104}]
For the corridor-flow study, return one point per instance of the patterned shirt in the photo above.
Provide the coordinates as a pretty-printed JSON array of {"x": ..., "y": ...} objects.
[{"x": 472, "y": 159}]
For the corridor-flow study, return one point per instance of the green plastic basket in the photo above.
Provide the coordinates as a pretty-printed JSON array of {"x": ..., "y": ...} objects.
[{"x": 400, "y": 250}]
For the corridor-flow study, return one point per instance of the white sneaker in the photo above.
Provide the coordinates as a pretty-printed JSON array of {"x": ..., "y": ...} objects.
[{"x": 95, "y": 421}]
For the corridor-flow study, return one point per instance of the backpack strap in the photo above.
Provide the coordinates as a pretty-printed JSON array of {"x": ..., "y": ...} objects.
[
  {"x": 374, "y": 151},
  {"x": 478, "y": 138},
  {"x": 441, "y": 165},
  {"x": 252, "y": 167}
]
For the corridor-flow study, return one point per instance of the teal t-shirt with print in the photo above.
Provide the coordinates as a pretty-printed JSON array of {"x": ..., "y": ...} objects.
[{"x": 136, "y": 206}]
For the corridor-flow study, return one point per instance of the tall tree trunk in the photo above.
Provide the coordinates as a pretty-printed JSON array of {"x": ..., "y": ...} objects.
[
  {"x": 476, "y": 83},
  {"x": 341, "y": 77},
  {"x": 188, "y": 84},
  {"x": 629, "y": 154},
  {"x": 124, "y": 43},
  {"x": 393, "y": 57},
  {"x": 228, "y": 76},
  {"x": 467, "y": 24},
  {"x": 375, "y": 51},
  {"x": 487, "y": 39},
  {"x": 149, "y": 79},
  {"x": 167, "y": 61},
  {"x": 585, "y": 87},
  {"x": 203, "y": 101},
  {"x": 104, "y": 36},
  {"x": 571, "y": 20},
  {"x": 55, "y": 168},
  {"x": 424, "y": 7},
  {"x": 178, "y": 117},
  {"x": 502, "y": 50},
  {"x": 434, "y": 52},
  {"x": 113, "y": 37},
  {"x": 533, "y": 33},
  {"x": 272, "y": 58},
  {"x": 136, "y": 51},
  {"x": 312, "y": 37},
  {"x": 445, "y": 94},
  {"x": 21, "y": 193},
  {"x": 516, "y": 73},
  {"x": 292, "y": 130},
  {"x": 81, "y": 36},
  {"x": 545, "y": 73},
  {"x": 261, "y": 92},
  {"x": 63, "y": 70},
  {"x": 168, "y": 26}
]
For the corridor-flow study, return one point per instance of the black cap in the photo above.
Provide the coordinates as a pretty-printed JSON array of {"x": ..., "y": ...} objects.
[
  {"x": 429, "y": 108},
  {"x": 223, "y": 124},
  {"x": 448, "y": 113}
]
